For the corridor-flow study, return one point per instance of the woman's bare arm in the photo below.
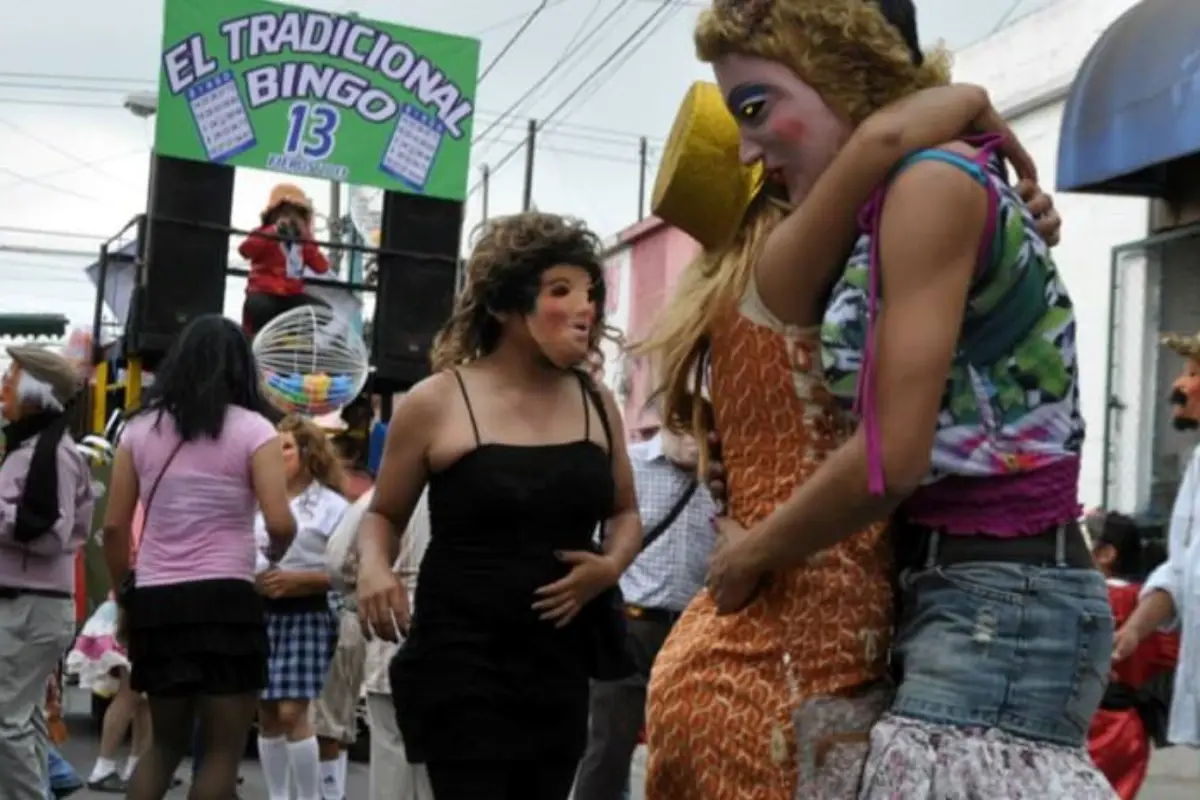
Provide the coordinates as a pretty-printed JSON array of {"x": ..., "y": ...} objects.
[
  {"x": 812, "y": 242},
  {"x": 118, "y": 516},
  {"x": 933, "y": 219},
  {"x": 269, "y": 478},
  {"x": 623, "y": 538},
  {"x": 403, "y": 470}
]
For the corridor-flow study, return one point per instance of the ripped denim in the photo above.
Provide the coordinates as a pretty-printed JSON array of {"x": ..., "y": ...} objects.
[{"x": 1022, "y": 649}]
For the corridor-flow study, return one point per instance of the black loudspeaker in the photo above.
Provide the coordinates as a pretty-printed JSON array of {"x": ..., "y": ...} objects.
[
  {"x": 418, "y": 266},
  {"x": 184, "y": 246}
]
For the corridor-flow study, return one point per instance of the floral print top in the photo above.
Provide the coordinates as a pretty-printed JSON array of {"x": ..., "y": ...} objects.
[{"x": 1011, "y": 403}]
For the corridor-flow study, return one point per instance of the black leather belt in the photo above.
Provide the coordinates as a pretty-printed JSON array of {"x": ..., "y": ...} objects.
[
  {"x": 1060, "y": 545},
  {"x": 12, "y": 593},
  {"x": 660, "y": 616}
]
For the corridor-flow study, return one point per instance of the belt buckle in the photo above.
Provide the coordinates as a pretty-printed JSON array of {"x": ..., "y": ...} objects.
[{"x": 634, "y": 612}]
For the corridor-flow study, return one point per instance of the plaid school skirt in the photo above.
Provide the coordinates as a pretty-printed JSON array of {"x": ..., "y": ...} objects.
[{"x": 302, "y": 645}]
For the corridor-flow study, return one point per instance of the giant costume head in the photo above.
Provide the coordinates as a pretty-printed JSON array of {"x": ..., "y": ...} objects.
[
  {"x": 1185, "y": 392},
  {"x": 803, "y": 73},
  {"x": 799, "y": 75}
]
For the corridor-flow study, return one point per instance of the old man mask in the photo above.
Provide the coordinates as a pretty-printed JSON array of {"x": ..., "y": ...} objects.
[{"x": 1185, "y": 392}]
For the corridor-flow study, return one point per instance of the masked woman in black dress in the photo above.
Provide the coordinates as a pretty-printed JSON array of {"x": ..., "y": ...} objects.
[{"x": 525, "y": 457}]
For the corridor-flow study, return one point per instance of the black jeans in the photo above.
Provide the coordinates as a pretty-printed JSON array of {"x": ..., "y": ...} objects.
[
  {"x": 618, "y": 713},
  {"x": 260, "y": 308},
  {"x": 501, "y": 780}
]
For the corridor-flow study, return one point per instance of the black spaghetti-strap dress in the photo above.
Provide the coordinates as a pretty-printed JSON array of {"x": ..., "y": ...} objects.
[{"x": 480, "y": 678}]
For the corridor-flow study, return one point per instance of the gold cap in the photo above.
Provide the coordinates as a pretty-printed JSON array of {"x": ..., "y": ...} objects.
[{"x": 702, "y": 187}]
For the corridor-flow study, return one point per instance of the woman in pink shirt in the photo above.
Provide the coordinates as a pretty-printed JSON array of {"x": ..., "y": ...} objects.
[{"x": 200, "y": 456}]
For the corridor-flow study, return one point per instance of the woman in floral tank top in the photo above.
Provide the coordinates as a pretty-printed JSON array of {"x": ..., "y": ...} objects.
[{"x": 951, "y": 338}]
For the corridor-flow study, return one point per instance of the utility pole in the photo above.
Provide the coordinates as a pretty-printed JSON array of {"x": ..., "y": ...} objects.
[
  {"x": 643, "y": 165},
  {"x": 530, "y": 149},
  {"x": 335, "y": 223},
  {"x": 486, "y": 183}
]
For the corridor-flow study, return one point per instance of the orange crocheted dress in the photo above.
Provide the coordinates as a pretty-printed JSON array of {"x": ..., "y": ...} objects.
[{"x": 719, "y": 723}]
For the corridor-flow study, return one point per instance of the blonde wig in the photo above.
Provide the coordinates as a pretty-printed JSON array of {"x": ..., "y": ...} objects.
[{"x": 677, "y": 344}]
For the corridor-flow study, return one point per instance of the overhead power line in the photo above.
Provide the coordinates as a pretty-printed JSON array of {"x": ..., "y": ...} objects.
[
  {"x": 512, "y": 40},
  {"x": 584, "y": 84},
  {"x": 625, "y": 58},
  {"x": 492, "y": 118},
  {"x": 566, "y": 55}
]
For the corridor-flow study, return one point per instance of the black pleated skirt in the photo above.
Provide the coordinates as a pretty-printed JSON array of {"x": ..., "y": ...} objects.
[{"x": 198, "y": 638}]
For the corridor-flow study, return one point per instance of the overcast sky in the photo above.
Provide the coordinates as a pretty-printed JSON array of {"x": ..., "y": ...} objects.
[{"x": 74, "y": 162}]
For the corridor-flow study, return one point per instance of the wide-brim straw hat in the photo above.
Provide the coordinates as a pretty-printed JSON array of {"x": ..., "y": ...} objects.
[
  {"x": 1186, "y": 346},
  {"x": 287, "y": 193},
  {"x": 702, "y": 187},
  {"x": 60, "y": 373}
]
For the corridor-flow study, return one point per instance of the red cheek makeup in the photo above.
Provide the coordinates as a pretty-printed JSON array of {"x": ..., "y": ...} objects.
[
  {"x": 788, "y": 128},
  {"x": 554, "y": 312}
]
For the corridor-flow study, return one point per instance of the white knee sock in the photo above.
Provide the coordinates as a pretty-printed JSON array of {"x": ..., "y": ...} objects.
[
  {"x": 273, "y": 756},
  {"x": 305, "y": 758},
  {"x": 332, "y": 787},
  {"x": 342, "y": 762}
]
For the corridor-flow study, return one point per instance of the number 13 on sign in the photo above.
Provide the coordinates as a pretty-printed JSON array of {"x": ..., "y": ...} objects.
[{"x": 311, "y": 131}]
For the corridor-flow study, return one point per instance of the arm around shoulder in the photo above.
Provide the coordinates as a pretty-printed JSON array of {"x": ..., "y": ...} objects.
[
  {"x": 404, "y": 468},
  {"x": 269, "y": 478},
  {"x": 623, "y": 538}
]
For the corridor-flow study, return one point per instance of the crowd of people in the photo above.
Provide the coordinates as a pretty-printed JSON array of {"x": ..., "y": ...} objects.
[{"x": 849, "y": 563}]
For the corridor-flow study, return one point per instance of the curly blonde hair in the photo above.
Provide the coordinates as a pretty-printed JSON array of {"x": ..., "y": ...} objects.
[
  {"x": 318, "y": 456},
  {"x": 846, "y": 50},
  {"x": 859, "y": 62},
  {"x": 503, "y": 274}
]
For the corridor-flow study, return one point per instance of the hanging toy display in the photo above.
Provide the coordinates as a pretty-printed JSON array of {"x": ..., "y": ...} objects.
[{"x": 311, "y": 361}]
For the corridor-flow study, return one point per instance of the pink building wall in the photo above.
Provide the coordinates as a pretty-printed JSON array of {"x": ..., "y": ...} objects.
[{"x": 646, "y": 260}]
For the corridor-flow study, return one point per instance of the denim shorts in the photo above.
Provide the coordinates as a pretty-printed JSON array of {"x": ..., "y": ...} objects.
[{"x": 1020, "y": 648}]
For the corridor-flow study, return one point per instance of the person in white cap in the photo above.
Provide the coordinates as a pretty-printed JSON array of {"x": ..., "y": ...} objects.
[{"x": 46, "y": 502}]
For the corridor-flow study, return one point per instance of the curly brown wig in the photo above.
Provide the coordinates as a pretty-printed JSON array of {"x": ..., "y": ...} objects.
[
  {"x": 504, "y": 275},
  {"x": 318, "y": 457}
]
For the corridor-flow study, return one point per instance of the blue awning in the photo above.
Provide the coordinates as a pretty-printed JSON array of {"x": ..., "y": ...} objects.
[{"x": 1135, "y": 104}]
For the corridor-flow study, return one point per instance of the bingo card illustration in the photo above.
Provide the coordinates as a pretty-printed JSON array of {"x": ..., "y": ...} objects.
[
  {"x": 221, "y": 117},
  {"x": 413, "y": 148}
]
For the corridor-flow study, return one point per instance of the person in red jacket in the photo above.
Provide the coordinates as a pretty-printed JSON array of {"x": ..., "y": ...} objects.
[
  {"x": 1131, "y": 716},
  {"x": 278, "y": 252}
]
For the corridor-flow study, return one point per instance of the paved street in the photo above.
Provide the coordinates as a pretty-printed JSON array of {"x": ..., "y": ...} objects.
[
  {"x": 1175, "y": 773},
  {"x": 83, "y": 745},
  {"x": 81, "y": 751}
]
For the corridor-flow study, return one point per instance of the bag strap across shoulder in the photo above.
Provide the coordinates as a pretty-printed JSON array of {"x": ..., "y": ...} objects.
[
  {"x": 154, "y": 490},
  {"x": 667, "y": 521}
]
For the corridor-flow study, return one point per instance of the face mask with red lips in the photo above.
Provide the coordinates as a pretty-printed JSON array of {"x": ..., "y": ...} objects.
[{"x": 563, "y": 316}]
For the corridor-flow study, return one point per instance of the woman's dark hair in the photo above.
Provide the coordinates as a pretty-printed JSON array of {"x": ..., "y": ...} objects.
[
  {"x": 504, "y": 275},
  {"x": 903, "y": 16},
  {"x": 209, "y": 367},
  {"x": 1124, "y": 536}
]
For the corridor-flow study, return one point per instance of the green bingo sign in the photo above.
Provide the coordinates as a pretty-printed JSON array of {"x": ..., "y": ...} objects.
[{"x": 251, "y": 83}]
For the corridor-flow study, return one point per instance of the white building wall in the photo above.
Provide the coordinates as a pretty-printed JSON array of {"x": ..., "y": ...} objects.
[
  {"x": 1027, "y": 68},
  {"x": 618, "y": 275}
]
